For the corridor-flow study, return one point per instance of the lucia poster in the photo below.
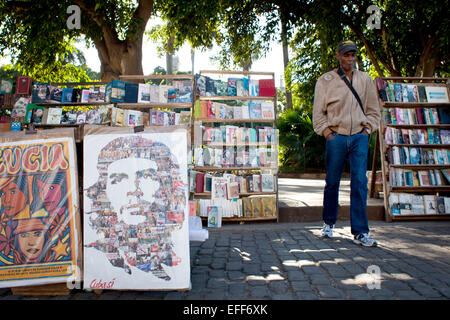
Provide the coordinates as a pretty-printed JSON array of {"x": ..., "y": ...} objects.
[
  {"x": 135, "y": 210},
  {"x": 39, "y": 241}
]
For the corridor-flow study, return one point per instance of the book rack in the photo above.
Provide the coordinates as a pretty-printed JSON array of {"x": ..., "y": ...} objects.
[
  {"x": 412, "y": 145},
  {"x": 215, "y": 120}
]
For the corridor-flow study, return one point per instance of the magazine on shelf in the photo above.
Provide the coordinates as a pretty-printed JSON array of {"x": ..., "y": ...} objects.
[
  {"x": 418, "y": 204},
  {"x": 436, "y": 94},
  {"x": 256, "y": 207},
  {"x": 440, "y": 205},
  {"x": 447, "y": 204},
  {"x": 219, "y": 188},
  {"x": 405, "y": 202},
  {"x": 214, "y": 217},
  {"x": 430, "y": 204},
  {"x": 232, "y": 190},
  {"x": 394, "y": 203},
  {"x": 267, "y": 182}
]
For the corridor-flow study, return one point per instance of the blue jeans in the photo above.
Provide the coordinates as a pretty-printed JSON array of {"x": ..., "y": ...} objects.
[{"x": 338, "y": 150}]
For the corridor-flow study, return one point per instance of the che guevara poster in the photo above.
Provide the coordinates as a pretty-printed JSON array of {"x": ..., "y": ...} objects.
[
  {"x": 136, "y": 235},
  {"x": 39, "y": 241}
]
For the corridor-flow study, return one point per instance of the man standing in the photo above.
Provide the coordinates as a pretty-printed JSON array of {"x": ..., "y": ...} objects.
[{"x": 346, "y": 111}]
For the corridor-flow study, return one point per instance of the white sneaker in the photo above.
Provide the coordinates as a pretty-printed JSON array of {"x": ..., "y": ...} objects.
[
  {"x": 327, "y": 230},
  {"x": 364, "y": 240}
]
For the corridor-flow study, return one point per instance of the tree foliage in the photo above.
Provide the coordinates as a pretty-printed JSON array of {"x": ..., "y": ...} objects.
[{"x": 35, "y": 33}]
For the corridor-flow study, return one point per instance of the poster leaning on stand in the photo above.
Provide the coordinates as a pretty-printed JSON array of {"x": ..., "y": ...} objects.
[
  {"x": 40, "y": 240},
  {"x": 136, "y": 234}
]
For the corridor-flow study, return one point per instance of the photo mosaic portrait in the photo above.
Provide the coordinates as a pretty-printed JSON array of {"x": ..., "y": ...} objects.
[{"x": 135, "y": 211}]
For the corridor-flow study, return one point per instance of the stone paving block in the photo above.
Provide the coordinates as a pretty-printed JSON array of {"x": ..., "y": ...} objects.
[
  {"x": 284, "y": 297},
  {"x": 260, "y": 292},
  {"x": 219, "y": 273},
  {"x": 301, "y": 285},
  {"x": 307, "y": 295},
  {"x": 238, "y": 288},
  {"x": 425, "y": 290},
  {"x": 407, "y": 295},
  {"x": 251, "y": 268},
  {"x": 217, "y": 283},
  {"x": 175, "y": 295},
  {"x": 383, "y": 292},
  {"x": 234, "y": 266},
  {"x": 395, "y": 285},
  {"x": 218, "y": 264},
  {"x": 317, "y": 279},
  {"x": 296, "y": 275},
  {"x": 236, "y": 275},
  {"x": 445, "y": 291},
  {"x": 199, "y": 278},
  {"x": 329, "y": 292},
  {"x": 279, "y": 287},
  {"x": 358, "y": 294},
  {"x": 312, "y": 270}
]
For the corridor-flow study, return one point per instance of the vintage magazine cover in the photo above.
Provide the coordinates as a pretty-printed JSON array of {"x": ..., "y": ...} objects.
[
  {"x": 136, "y": 233},
  {"x": 39, "y": 219}
]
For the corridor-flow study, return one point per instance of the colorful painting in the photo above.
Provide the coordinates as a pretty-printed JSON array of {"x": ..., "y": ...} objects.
[
  {"x": 135, "y": 211},
  {"x": 38, "y": 201}
]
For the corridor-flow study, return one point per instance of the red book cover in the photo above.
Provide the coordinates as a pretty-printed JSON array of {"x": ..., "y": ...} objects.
[
  {"x": 199, "y": 182},
  {"x": 23, "y": 85},
  {"x": 267, "y": 88}
]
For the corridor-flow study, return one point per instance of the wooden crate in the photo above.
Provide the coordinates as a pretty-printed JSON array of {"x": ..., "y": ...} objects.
[{"x": 55, "y": 289}]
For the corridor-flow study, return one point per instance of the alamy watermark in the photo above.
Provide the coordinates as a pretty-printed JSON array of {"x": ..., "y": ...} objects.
[
  {"x": 374, "y": 20},
  {"x": 374, "y": 279},
  {"x": 74, "y": 281},
  {"x": 74, "y": 20}
]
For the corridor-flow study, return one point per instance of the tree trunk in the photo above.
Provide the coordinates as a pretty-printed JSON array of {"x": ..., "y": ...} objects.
[
  {"x": 287, "y": 82},
  {"x": 119, "y": 59},
  {"x": 428, "y": 59}
]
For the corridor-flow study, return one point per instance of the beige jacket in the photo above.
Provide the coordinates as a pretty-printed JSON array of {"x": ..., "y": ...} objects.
[{"x": 336, "y": 108}]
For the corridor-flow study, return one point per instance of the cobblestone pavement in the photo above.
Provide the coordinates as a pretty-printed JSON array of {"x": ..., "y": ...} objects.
[{"x": 289, "y": 261}]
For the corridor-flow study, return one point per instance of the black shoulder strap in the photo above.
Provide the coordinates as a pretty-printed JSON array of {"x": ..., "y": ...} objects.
[{"x": 343, "y": 77}]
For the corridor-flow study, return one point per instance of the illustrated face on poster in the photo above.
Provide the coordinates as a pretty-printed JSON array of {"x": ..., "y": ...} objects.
[
  {"x": 37, "y": 227},
  {"x": 136, "y": 209}
]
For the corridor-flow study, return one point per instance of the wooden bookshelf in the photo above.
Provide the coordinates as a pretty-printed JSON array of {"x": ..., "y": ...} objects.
[
  {"x": 248, "y": 123},
  {"x": 419, "y": 126},
  {"x": 412, "y": 105},
  {"x": 214, "y": 120},
  {"x": 388, "y": 187},
  {"x": 168, "y": 105},
  {"x": 231, "y": 168},
  {"x": 234, "y": 98}
]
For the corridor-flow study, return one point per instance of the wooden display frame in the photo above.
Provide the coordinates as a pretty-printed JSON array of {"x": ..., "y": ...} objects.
[
  {"x": 383, "y": 147},
  {"x": 212, "y": 169}
]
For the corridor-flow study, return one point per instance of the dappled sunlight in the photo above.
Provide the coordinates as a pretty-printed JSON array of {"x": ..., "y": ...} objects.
[
  {"x": 244, "y": 255},
  {"x": 268, "y": 278}
]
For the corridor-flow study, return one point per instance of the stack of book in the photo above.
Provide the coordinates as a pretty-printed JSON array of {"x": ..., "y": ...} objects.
[
  {"x": 236, "y": 135},
  {"x": 247, "y": 207},
  {"x": 400, "y": 92},
  {"x": 413, "y": 155},
  {"x": 217, "y": 110},
  {"x": 105, "y": 114},
  {"x": 417, "y": 136},
  {"x": 48, "y": 94},
  {"x": 240, "y": 156},
  {"x": 230, "y": 186},
  {"x": 399, "y": 177},
  {"x": 240, "y": 87},
  {"x": 409, "y": 116}
]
